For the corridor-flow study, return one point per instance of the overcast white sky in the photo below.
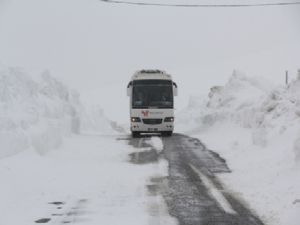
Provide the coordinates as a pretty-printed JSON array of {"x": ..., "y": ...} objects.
[{"x": 95, "y": 47}]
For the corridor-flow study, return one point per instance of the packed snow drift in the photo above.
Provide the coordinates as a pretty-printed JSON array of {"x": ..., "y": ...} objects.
[
  {"x": 39, "y": 111},
  {"x": 256, "y": 128}
]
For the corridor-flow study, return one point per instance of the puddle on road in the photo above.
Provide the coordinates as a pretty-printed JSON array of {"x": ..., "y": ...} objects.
[
  {"x": 156, "y": 185},
  {"x": 144, "y": 157},
  {"x": 43, "y": 220},
  {"x": 148, "y": 153},
  {"x": 56, "y": 203},
  {"x": 153, "y": 189}
]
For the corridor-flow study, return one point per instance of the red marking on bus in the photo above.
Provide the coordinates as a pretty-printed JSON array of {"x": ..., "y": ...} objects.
[{"x": 145, "y": 113}]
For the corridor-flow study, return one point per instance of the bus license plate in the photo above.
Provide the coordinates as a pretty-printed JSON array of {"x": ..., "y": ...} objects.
[{"x": 152, "y": 129}]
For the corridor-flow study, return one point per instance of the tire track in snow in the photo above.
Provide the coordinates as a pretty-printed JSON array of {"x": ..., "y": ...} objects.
[{"x": 192, "y": 192}]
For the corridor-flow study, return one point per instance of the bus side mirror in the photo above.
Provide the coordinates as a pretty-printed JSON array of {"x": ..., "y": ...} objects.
[
  {"x": 175, "y": 89},
  {"x": 129, "y": 89}
]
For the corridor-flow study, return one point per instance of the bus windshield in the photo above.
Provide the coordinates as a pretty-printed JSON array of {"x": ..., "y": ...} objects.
[{"x": 152, "y": 94}]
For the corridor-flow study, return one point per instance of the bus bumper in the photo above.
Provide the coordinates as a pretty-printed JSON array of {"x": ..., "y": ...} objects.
[{"x": 152, "y": 128}]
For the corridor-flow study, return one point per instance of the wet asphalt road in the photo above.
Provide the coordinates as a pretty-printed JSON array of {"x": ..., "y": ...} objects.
[{"x": 192, "y": 192}]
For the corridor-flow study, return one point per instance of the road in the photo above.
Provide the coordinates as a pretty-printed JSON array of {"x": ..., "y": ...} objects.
[
  {"x": 115, "y": 179},
  {"x": 193, "y": 193}
]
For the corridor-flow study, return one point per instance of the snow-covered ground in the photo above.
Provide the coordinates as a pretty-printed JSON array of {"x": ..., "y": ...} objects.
[
  {"x": 256, "y": 128},
  {"x": 61, "y": 161},
  {"x": 90, "y": 175}
]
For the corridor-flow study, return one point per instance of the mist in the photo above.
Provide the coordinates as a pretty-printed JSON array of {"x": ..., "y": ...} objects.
[{"x": 95, "y": 47}]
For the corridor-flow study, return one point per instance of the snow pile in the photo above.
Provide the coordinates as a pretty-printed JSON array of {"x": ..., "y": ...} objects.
[
  {"x": 256, "y": 128},
  {"x": 39, "y": 112},
  {"x": 248, "y": 103}
]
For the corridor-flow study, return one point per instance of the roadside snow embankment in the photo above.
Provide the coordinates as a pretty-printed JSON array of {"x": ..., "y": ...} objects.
[
  {"x": 39, "y": 112},
  {"x": 256, "y": 128}
]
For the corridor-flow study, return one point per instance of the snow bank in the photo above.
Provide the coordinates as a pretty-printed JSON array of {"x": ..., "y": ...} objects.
[
  {"x": 248, "y": 102},
  {"x": 256, "y": 127},
  {"x": 39, "y": 112}
]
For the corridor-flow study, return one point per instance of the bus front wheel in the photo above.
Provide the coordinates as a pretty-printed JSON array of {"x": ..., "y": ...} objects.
[
  {"x": 167, "y": 133},
  {"x": 135, "y": 134}
]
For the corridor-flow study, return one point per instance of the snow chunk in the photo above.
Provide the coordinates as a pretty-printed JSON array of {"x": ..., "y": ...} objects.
[{"x": 157, "y": 143}]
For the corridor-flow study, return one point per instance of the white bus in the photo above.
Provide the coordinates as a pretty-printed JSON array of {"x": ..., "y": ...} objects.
[{"x": 151, "y": 95}]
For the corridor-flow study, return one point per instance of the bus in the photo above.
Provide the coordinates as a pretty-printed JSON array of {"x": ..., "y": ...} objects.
[{"x": 151, "y": 95}]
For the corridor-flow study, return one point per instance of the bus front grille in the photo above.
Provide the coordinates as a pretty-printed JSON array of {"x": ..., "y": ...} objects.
[{"x": 152, "y": 121}]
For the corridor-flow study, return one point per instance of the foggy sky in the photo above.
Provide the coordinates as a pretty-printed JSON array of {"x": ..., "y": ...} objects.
[{"x": 95, "y": 47}]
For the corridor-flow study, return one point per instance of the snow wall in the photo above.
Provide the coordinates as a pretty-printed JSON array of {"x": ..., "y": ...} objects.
[{"x": 39, "y": 112}]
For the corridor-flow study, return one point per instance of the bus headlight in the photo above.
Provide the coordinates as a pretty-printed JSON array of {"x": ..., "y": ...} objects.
[
  {"x": 169, "y": 119},
  {"x": 135, "y": 119}
]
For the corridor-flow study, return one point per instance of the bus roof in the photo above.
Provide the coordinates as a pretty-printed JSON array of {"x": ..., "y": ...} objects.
[{"x": 151, "y": 74}]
